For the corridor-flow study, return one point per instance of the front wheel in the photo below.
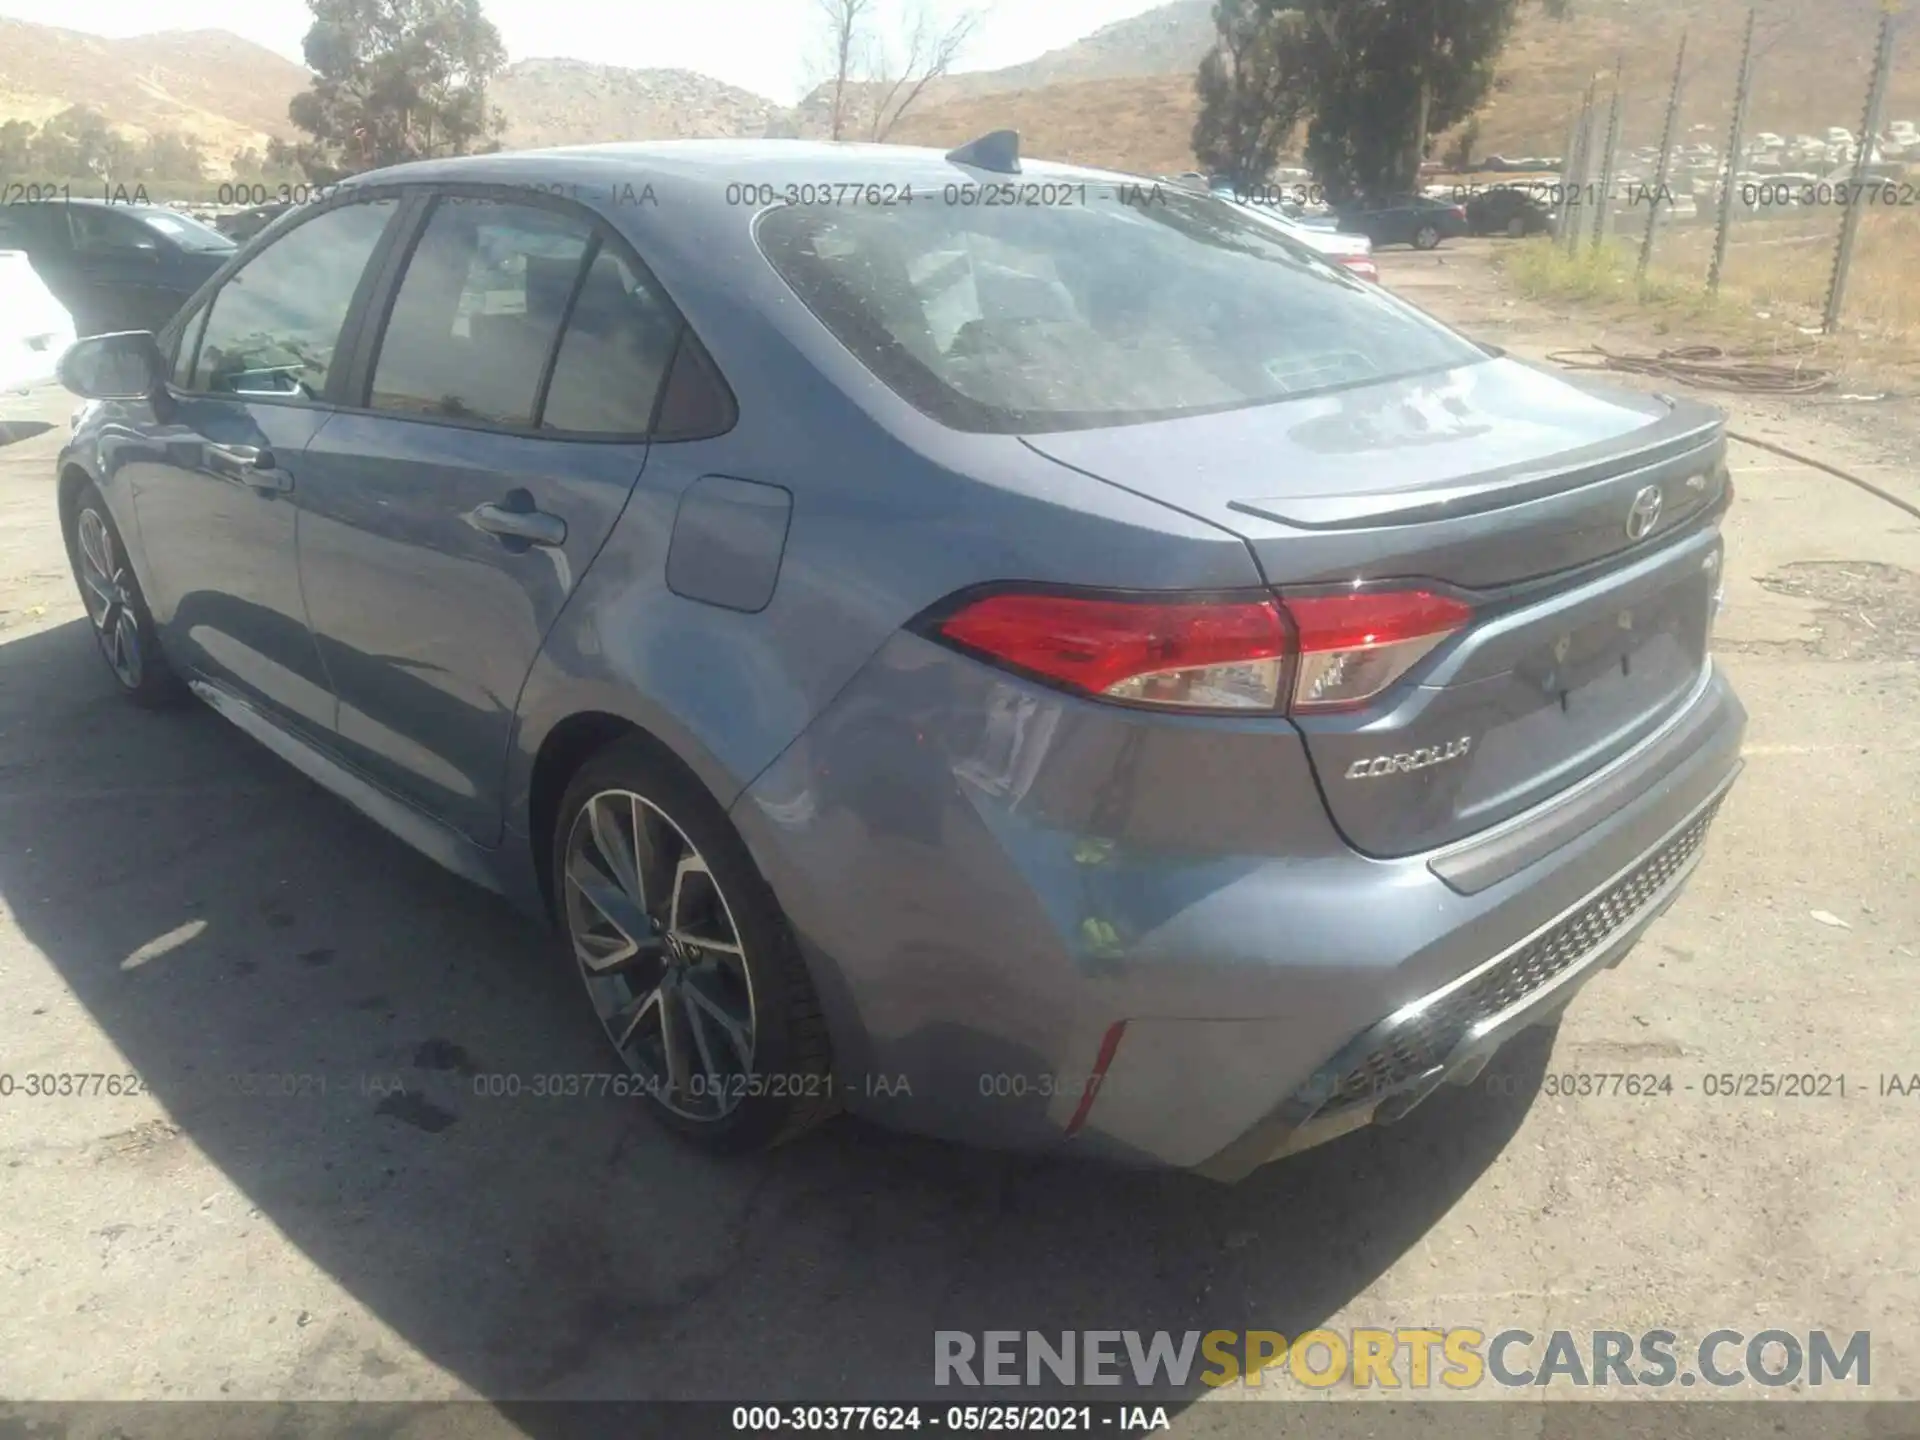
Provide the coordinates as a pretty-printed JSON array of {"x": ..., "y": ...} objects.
[
  {"x": 1517, "y": 228},
  {"x": 686, "y": 957},
  {"x": 122, "y": 625},
  {"x": 1426, "y": 237}
]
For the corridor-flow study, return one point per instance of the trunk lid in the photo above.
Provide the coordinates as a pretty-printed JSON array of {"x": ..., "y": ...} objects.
[{"x": 1522, "y": 493}]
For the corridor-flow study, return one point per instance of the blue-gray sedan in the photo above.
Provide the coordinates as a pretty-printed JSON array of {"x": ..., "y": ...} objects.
[{"x": 1018, "y": 652}]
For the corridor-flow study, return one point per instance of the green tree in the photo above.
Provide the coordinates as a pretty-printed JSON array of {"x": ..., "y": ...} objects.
[
  {"x": 78, "y": 142},
  {"x": 1460, "y": 153},
  {"x": 396, "y": 80},
  {"x": 171, "y": 156},
  {"x": 1251, "y": 91},
  {"x": 1381, "y": 78},
  {"x": 16, "y": 150}
]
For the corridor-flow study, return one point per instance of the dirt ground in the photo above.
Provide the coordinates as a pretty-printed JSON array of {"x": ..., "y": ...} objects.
[{"x": 178, "y": 905}]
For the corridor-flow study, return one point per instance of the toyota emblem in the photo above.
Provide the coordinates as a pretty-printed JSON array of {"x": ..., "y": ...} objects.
[{"x": 1644, "y": 513}]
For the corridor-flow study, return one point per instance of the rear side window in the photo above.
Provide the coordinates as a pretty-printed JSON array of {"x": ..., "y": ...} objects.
[
  {"x": 273, "y": 327},
  {"x": 478, "y": 312},
  {"x": 186, "y": 232},
  {"x": 20, "y": 227},
  {"x": 618, "y": 343},
  {"x": 98, "y": 230},
  {"x": 1143, "y": 303}
]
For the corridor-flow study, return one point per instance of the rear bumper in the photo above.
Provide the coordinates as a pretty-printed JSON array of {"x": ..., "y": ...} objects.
[
  {"x": 989, "y": 877},
  {"x": 1449, "y": 1035}
]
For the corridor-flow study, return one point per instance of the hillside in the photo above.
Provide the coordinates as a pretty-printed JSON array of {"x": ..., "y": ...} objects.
[
  {"x": 1165, "y": 41},
  {"x": 1143, "y": 127},
  {"x": 1121, "y": 97},
  {"x": 1811, "y": 69},
  {"x": 225, "y": 91},
  {"x": 568, "y": 102},
  {"x": 1169, "y": 39},
  {"x": 1811, "y": 73}
]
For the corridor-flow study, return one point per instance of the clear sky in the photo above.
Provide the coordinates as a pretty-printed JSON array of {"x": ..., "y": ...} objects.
[{"x": 770, "y": 46}]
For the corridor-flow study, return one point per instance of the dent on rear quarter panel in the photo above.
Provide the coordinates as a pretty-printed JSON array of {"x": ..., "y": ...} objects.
[
  {"x": 890, "y": 512},
  {"x": 728, "y": 689}
]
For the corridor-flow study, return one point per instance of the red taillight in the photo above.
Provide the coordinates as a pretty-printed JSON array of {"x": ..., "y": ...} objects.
[
  {"x": 1190, "y": 654},
  {"x": 1459, "y": 212},
  {"x": 1210, "y": 654},
  {"x": 1355, "y": 645}
]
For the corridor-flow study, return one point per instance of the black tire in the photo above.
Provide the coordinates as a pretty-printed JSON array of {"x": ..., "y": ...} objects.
[
  {"x": 123, "y": 627},
  {"x": 1427, "y": 237},
  {"x": 787, "y": 1089},
  {"x": 1517, "y": 228}
]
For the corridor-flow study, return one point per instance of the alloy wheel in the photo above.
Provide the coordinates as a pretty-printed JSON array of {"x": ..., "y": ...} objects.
[
  {"x": 660, "y": 954},
  {"x": 106, "y": 587}
]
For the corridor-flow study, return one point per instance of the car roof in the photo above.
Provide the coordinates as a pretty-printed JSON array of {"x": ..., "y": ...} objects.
[
  {"x": 130, "y": 207},
  {"x": 726, "y": 161}
]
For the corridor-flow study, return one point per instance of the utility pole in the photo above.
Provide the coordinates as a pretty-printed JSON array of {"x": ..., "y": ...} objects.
[
  {"x": 1566, "y": 182},
  {"x": 1572, "y": 216},
  {"x": 1603, "y": 220},
  {"x": 1660, "y": 174},
  {"x": 1736, "y": 137},
  {"x": 1863, "y": 157}
]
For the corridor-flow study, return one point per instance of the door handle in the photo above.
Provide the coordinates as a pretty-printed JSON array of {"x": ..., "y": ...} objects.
[
  {"x": 520, "y": 522},
  {"x": 252, "y": 465}
]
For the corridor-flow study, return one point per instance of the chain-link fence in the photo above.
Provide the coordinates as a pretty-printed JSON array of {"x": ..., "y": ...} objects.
[{"x": 1778, "y": 166}]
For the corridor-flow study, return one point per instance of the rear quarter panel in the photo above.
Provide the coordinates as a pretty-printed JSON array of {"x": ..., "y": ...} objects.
[{"x": 890, "y": 513}]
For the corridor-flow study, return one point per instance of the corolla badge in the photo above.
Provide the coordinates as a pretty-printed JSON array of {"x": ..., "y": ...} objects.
[
  {"x": 1644, "y": 513},
  {"x": 1425, "y": 758}
]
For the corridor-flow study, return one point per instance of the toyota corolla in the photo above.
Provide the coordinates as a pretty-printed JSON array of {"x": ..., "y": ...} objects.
[{"x": 1017, "y": 652}]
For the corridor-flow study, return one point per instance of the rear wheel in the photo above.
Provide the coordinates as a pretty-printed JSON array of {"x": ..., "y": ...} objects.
[
  {"x": 122, "y": 625},
  {"x": 1517, "y": 228},
  {"x": 685, "y": 956},
  {"x": 1426, "y": 237}
]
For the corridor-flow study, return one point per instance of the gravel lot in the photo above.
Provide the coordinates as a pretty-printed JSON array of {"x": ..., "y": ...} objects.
[{"x": 178, "y": 905}]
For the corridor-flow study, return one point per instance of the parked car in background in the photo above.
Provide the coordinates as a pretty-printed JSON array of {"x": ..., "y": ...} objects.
[
  {"x": 1271, "y": 199},
  {"x": 243, "y": 225},
  {"x": 35, "y": 328},
  {"x": 1421, "y": 221},
  {"x": 1509, "y": 210},
  {"x": 899, "y": 645},
  {"x": 114, "y": 266},
  {"x": 1351, "y": 252},
  {"x": 1525, "y": 164}
]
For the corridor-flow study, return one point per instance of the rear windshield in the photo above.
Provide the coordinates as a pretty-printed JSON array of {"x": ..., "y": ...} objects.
[
  {"x": 185, "y": 231},
  {"x": 1115, "y": 306}
]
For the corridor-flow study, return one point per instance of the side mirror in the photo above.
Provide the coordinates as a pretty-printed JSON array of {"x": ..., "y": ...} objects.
[{"x": 123, "y": 366}]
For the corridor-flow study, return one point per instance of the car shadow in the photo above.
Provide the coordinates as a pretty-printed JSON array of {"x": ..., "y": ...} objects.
[
  {"x": 325, "y": 1015},
  {"x": 14, "y": 431}
]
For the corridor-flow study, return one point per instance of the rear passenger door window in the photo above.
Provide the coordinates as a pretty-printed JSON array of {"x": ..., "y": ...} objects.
[
  {"x": 524, "y": 317},
  {"x": 478, "y": 311},
  {"x": 618, "y": 344}
]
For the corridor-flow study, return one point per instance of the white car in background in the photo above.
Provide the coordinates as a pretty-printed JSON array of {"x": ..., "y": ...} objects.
[
  {"x": 35, "y": 328},
  {"x": 1352, "y": 252}
]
